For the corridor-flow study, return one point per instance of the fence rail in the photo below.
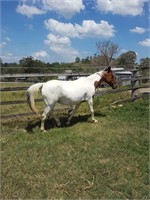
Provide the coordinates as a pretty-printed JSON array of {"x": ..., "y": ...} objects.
[
  {"x": 12, "y": 89},
  {"x": 134, "y": 87},
  {"x": 98, "y": 93},
  {"x": 3, "y": 76}
]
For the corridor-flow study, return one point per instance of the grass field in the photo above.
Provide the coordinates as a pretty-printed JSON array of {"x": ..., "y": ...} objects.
[
  {"x": 13, "y": 96},
  {"x": 104, "y": 160}
]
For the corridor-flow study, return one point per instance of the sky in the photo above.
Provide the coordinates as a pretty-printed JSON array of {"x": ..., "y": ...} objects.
[{"x": 61, "y": 30}]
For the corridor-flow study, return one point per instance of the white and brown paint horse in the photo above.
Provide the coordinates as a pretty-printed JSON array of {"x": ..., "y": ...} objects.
[{"x": 69, "y": 93}]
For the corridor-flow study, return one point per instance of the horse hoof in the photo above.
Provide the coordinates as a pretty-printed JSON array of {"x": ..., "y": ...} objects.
[
  {"x": 68, "y": 123},
  {"x": 94, "y": 121},
  {"x": 43, "y": 130},
  {"x": 59, "y": 124}
]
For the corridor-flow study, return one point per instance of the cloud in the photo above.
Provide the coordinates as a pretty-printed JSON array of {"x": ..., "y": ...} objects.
[
  {"x": 122, "y": 7},
  {"x": 28, "y": 26},
  {"x": 57, "y": 40},
  {"x": 9, "y": 58},
  {"x": 61, "y": 46},
  {"x": 40, "y": 54},
  {"x": 29, "y": 11},
  {"x": 65, "y": 8},
  {"x": 3, "y": 44},
  {"x": 138, "y": 30},
  {"x": 8, "y": 39},
  {"x": 145, "y": 43},
  {"x": 89, "y": 28}
]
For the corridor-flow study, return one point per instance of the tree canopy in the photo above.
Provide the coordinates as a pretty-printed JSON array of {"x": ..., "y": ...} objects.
[{"x": 127, "y": 59}]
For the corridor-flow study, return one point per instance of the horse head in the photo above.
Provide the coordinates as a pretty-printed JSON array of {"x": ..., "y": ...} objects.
[{"x": 110, "y": 78}]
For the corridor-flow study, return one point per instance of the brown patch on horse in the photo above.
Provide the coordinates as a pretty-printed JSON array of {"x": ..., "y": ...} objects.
[
  {"x": 97, "y": 83},
  {"x": 109, "y": 78}
]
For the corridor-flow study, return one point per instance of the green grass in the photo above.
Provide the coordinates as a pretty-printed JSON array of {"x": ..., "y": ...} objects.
[
  {"x": 104, "y": 160},
  {"x": 14, "y": 84},
  {"x": 13, "y": 96}
]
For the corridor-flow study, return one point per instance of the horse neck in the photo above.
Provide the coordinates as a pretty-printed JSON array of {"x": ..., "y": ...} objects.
[
  {"x": 96, "y": 76},
  {"x": 96, "y": 79}
]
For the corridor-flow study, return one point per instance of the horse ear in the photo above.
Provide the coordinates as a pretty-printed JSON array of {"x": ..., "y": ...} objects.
[{"x": 108, "y": 69}]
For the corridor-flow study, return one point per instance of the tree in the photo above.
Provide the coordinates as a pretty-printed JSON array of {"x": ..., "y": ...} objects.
[
  {"x": 127, "y": 59},
  {"x": 27, "y": 64},
  {"x": 77, "y": 60},
  {"x": 86, "y": 60},
  {"x": 144, "y": 66},
  {"x": 32, "y": 66},
  {"x": 1, "y": 62},
  {"x": 107, "y": 50}
]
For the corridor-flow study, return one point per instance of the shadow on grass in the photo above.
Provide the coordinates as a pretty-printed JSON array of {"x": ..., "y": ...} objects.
[{"x": 50, "y": 122}]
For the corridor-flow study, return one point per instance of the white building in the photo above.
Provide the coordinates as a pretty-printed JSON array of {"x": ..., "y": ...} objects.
[{"x": 123, "y": 77}]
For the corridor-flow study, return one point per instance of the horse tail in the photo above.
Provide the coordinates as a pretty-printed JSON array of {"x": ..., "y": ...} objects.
[{"x": 30, "y": 96}]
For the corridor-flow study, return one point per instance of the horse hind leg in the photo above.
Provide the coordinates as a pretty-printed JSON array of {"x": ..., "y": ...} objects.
[
  {"x": 56, "y": 119},
  {"x": 75, "y": 108},
  {"x": 44, "y": 117}
]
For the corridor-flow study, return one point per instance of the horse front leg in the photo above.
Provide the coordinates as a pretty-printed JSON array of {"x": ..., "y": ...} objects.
[
  {"x": 90, "y": 103},
  {"x": 72, "y": 113}
]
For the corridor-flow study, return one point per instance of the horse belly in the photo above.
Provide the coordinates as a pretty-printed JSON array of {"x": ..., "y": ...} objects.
[{"x": 68, "y": 101}]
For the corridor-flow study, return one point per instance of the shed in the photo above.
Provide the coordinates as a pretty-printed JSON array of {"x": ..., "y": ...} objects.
[{"x": 123, "y": 76}]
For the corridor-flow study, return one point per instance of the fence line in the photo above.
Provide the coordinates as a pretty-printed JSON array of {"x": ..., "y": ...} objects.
[
  {"x": 99, "y": 93},
  {"x": 30, "y": 75},
  {"x": 12, "y": 89},
  {"x": 133, "y": 88}
]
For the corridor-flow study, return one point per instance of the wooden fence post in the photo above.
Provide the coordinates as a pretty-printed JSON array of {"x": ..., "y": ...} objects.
[{"x": 135, "y": 83}]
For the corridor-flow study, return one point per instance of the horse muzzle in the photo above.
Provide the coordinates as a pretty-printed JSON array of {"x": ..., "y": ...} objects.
[{"x": 114, "y": 86}]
